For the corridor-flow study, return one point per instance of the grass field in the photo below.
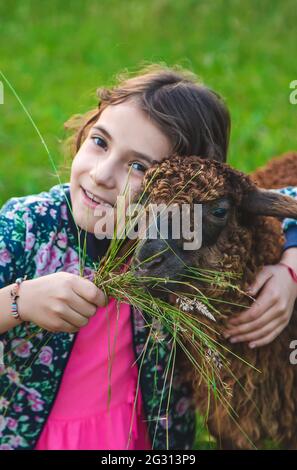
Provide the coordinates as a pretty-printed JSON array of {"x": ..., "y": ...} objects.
[{"x": 55, "y": 54}]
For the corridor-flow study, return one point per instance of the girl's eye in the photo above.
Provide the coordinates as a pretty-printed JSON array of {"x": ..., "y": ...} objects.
[
  {"x": 99, "y": 142},
  {"x": 142, "y": 167},
  {"x": 220, "y": 212}
]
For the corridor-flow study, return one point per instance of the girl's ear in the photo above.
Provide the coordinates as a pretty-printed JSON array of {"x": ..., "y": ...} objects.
[{"x": 267, "y": 202}]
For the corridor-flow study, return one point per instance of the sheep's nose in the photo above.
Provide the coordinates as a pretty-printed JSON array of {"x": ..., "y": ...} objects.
[{"x": 150, "y": 255}]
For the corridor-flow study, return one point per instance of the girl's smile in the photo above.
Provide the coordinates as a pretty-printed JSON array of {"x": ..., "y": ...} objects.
[{"x": 91, "y": 200}]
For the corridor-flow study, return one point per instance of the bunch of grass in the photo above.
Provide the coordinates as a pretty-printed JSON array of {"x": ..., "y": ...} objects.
[{"x": 184, "y": 320}]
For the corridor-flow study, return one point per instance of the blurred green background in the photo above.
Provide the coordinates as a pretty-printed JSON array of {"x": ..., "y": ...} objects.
[{"x": 55, "y": 54}]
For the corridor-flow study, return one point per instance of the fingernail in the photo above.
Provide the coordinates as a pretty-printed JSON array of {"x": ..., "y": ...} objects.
[
  {"x": 226, "y": 335},
  {"x": 252, "y": 345},
  {"x": 233, "y": 340}
]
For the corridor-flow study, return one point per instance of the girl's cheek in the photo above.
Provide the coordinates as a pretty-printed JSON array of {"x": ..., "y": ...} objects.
[
  {"x": 80, "y": 164},
  {"x": 131, "y": 188},
  {"x": 83, "y": 155}
]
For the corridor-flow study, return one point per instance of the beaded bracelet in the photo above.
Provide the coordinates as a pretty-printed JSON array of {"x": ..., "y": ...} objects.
[
  {"x": 14, "y": 296},
  {"x": 291, "y": 271}
]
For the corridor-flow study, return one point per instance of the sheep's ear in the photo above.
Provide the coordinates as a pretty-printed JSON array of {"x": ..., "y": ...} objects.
[{"x": 266, "y": 202}]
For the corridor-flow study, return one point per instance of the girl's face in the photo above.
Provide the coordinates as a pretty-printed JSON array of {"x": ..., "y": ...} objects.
[{"x": 124, "y": 141}]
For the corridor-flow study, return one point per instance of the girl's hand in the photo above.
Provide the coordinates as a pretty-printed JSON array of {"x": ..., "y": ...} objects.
[
  {"x": 59, "y": 302},
  {"x": 272, "y": 309}
]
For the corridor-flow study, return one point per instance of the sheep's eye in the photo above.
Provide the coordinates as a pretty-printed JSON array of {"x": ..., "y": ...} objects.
[{"x": 220, "y": 212}]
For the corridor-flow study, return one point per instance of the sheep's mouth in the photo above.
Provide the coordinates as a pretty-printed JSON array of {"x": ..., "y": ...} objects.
[
  {"x": 155, "y": 283},
  {"x": 146, "y": 267},
  {"x": 160, "y": 292}
]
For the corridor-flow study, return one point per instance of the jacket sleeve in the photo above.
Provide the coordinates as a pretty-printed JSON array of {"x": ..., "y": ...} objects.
[
  {"x": 13, "y": 218},
  {"x": 289, "y": 225}
]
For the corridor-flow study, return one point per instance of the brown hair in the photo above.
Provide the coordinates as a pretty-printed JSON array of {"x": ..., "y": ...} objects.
[{"x": 194, "y": 117}]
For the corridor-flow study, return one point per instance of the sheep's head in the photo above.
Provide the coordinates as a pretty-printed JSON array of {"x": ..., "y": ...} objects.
[{"x": 230, "y": 205}]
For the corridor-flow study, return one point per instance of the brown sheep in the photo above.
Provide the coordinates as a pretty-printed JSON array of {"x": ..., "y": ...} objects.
[
  {"x": 242, "y": 238},
  {"x": 278, "y": 172}
]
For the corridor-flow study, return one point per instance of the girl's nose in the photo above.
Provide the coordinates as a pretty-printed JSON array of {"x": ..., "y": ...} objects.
[{"x": 103, "y": 174}]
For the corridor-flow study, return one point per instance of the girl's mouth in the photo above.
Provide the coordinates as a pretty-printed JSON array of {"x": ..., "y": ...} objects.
[{"x": 93, "y": 201}]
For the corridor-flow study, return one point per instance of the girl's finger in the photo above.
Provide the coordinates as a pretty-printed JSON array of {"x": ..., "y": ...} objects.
[
  {"x": 260, "y": 333},
  {"x": 268, "y": 316},
  {"x": 88, "y": 291},
  {"x": 74, "y": 318},
  {"x": 268, "y": 338},
  {"x": 61, "y": 326},
  {"x": 66, "y": 327},
  {"x": 81, "y": 306},
  {"x": 263, "y": 276},
  {"x": 260, "y": 306}
]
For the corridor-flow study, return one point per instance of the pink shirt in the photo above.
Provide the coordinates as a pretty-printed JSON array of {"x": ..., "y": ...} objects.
[{"x": 80, "y": 419}]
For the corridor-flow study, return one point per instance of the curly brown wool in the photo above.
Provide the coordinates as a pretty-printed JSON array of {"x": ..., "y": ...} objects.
[
  {"x": 279, "y": 172},
  {"x": 265, "y": 402}
]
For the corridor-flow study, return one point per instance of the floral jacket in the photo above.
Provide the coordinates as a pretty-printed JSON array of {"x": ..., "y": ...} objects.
[{"x": 38, "y": 237}]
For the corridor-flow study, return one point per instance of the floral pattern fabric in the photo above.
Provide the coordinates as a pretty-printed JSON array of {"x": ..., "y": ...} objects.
[{"x": 36, "y": 239}]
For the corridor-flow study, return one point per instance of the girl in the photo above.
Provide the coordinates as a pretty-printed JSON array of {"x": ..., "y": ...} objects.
[{"x": 57, "y": 388}]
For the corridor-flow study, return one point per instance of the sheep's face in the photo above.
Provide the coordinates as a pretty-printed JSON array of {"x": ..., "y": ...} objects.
[
  {"x": 228, "y": 202},
  {"x": 183, "y": 181},
  {"x": 165, "y": 255}
]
